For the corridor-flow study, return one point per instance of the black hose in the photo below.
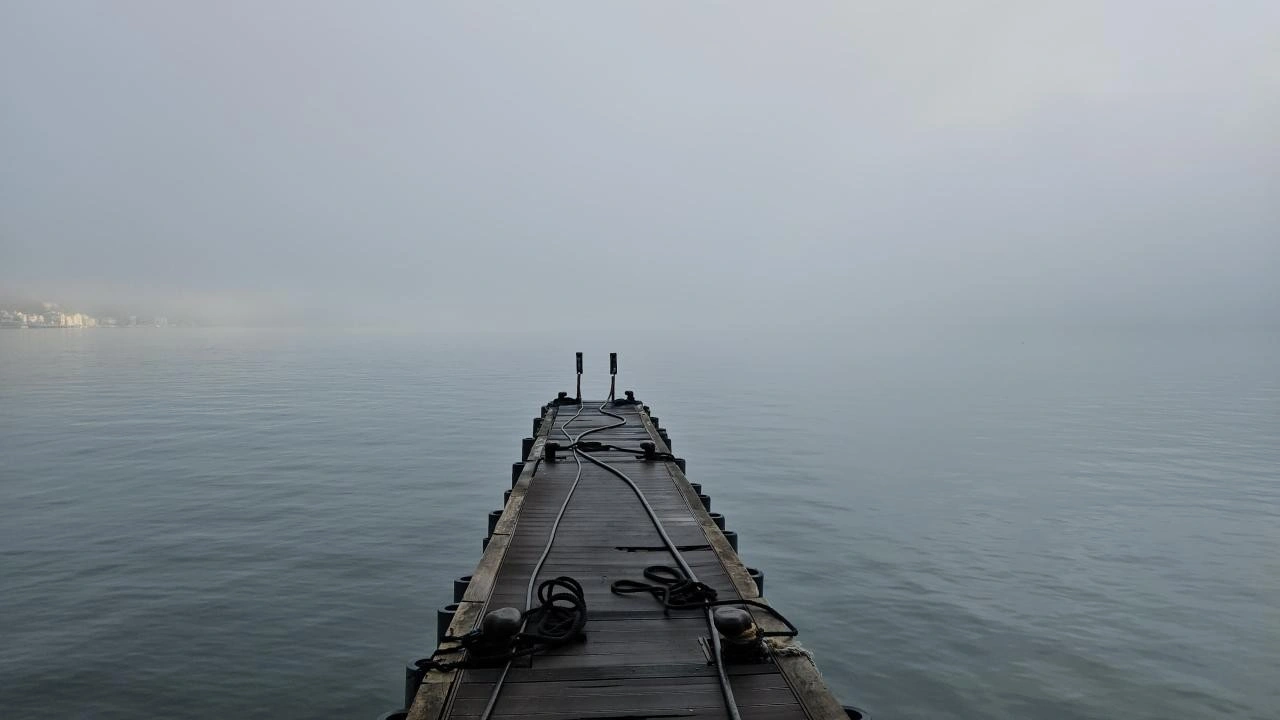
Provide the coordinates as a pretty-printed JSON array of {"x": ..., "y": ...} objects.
[
  {"x": 546, "y": 550},
  {"x": 726, "y": 689}
]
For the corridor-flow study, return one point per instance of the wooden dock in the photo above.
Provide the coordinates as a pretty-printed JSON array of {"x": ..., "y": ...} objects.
[{"x": 635, "y": 661}]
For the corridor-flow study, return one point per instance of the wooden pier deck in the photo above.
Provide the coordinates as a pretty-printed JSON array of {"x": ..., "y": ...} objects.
[{"x": 636, "y": 662}]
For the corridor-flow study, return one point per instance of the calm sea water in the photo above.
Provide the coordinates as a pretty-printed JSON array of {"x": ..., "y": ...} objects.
[{"x": 1013, "y": 523}]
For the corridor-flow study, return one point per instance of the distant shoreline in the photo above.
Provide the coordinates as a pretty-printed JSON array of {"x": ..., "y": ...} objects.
[{"x": 96, "y": 327}]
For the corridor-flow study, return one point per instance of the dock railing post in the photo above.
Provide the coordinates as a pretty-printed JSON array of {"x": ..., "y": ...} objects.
[
  {"x": 613, "y": 374},
  {"x": 579, "y": 377}
]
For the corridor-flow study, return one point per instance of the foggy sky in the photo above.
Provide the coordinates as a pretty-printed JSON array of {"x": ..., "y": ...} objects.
[{"x": 530, "y": 164}]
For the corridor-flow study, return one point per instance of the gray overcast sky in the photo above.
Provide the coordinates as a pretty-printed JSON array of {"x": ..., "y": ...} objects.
[{"x": 477, "y": 164}]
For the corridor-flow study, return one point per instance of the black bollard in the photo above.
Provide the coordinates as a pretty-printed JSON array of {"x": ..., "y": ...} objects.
[
  {"x": 666, "y": 439},
  {"x": 444, "y": 618},
  {"x": 706, "y": 501},
  {"x": 758, "y": 576},
  {"x": 402, "y": 714},
  {"x": 460, "y": 587},
  {"x": 718, "y": 519},
  {"x": 856, "y": 713},
  {"x": 506, "y": 497},
  {"x": 680, "y": 463},
  {"x": 537, "y": 428},
  {"x": 549, "y": 451},
  {"x": 655, "y": 422},
  {"x": 697, "y": 487},
  {"x": 526, "y": 444},
  {"x": 516, "y": 469},
  {"x": 732, "y": 537},
  {"x": 494, "y": 517},
  {"x": 413, "y": 676},
  {"x": 484, "y": 544}
]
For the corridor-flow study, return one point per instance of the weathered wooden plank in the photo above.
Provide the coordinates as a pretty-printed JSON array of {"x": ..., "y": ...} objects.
[
  {"x": 520, "y": 491},
  {"x": 639, "y": 704},
  {"x": 627, "y": 672},
  {"x": 486, "y": 573},
  {"x": 572, "y": 686},
  {"x": 785, "y": 711}
]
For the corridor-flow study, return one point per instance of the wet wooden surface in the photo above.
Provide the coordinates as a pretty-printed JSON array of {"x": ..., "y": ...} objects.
[{"x": 636, "y": 662}]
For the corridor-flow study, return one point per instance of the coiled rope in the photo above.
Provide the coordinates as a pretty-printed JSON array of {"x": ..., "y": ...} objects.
[
  {"x": 557, "y": 620},
  {"x": 676, "y": 591}
]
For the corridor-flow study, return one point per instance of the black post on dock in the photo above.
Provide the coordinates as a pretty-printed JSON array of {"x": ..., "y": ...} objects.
[{"x": 579, "y": 396}]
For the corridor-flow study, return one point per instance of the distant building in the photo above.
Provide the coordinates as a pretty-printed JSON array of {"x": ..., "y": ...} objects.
[
  {"x": 49, "y": 317},
  {"x": 12, "y": 319}
]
